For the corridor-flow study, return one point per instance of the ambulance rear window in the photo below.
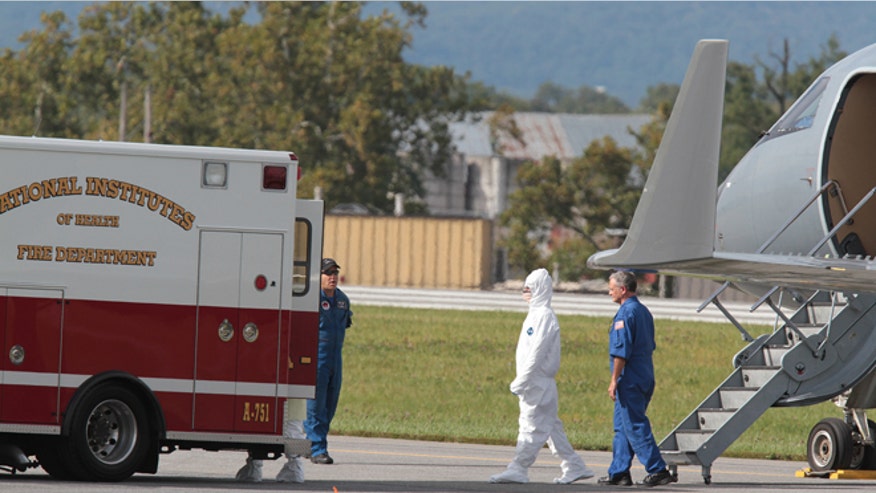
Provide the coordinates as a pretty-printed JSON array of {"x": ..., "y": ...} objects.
[{"x": 301, "y": 267}]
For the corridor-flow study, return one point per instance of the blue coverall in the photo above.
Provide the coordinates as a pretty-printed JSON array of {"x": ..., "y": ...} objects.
[
  {"x": 631, "y": 337},
  {"x": 334, "y": 318}
]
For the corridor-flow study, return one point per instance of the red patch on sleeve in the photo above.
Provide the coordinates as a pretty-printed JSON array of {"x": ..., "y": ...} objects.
[{"x": 619, "y": 325}]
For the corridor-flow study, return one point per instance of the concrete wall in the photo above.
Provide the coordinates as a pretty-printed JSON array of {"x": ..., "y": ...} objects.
[{"x": 410, "y": 252}]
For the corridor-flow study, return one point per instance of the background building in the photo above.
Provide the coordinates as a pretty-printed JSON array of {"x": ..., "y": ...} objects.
[{"x": 483, "y": 173}]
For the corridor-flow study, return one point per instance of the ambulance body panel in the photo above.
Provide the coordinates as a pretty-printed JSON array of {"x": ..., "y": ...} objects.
[{"x": 181, "y": 275}]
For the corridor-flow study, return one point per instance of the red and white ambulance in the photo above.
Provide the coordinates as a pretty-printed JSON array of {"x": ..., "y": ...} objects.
[{"x": 152, "y": 298}]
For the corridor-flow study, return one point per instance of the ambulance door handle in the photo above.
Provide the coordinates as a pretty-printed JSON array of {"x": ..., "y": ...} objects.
[
  {"x": 250, "y": 332},
  {"x": 226, "y": 331},
  {"x": 16, "y": 355}
]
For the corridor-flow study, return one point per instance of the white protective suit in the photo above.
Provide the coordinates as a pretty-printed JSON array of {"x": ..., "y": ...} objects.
[
  {"x": 538, "y": 360},
  {"x": 293, "y": 428}
]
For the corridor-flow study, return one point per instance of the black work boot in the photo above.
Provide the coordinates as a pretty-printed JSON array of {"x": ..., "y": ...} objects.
[
  {"x": 659, "y": 478},
  {"x": 622, "y": 479}
]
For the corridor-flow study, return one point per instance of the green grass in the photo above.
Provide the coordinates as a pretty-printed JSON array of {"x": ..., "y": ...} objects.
[{"x": 444, "y": 374}]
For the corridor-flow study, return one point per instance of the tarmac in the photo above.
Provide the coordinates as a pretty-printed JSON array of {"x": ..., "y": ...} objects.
[{"x": 378, "y": 465}]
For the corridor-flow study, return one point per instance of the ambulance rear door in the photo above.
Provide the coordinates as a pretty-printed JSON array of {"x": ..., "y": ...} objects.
[
  {"x": 238, "y": 340},
  {"x": 309, "y": 219}
]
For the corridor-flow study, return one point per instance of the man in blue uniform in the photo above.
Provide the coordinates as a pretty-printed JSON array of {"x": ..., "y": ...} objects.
[
  {"x": 335, "y": 317},
  {"x": 631, "y": 343}
]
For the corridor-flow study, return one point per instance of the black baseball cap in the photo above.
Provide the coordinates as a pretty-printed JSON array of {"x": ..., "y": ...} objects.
[{"x": 328, "y": 263}]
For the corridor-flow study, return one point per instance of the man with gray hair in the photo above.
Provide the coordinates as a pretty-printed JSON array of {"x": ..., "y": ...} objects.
[{"x": 631, "y": 344}]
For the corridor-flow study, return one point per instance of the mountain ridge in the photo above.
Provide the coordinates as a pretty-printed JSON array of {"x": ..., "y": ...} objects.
[{"x": 622, "y": 46}]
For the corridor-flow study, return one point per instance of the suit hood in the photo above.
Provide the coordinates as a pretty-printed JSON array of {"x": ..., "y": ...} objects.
[{"x": 541, "y": 287}]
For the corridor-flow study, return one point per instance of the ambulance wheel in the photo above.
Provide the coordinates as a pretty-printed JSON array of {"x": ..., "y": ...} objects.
[
  {"x": 829, "y": 447},
  {"x": 109, "y": 434},
  {"x": 54, "y": 463}
]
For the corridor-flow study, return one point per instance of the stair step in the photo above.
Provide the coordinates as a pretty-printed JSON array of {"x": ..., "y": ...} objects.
[
  {"x": 772, "y": 355},
  {"x": 735, "y": 397},
  {"x": 757, "y": 376},
  {"x": 712, "y": 419},
  {"x": 679, "y": 458},
  {"x": 806, "y": 329},
  {"x": 691, "y": 439},
  {"x": 820, "y": 312}
]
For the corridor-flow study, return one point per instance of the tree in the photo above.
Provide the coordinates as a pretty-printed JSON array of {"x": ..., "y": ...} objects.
[
  {"x": 747, "y": 114},
  {"x": 655, "y": 96},
  {"x": 318, "y": 79},
  {"x": 553, "y": 98},
  {"x": 584, "y": 197},
  {"x": 313, "y": 77},
  {"x": 35, "y": 83}
]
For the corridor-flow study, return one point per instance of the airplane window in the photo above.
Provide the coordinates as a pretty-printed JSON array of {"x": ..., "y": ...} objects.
[{"x": 801, "y": 114}]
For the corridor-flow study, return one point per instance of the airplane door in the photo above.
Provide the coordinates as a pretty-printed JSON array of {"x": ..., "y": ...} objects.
[
  {"x": 238, "y": 331},
  {"x": 30, "y": 328}
]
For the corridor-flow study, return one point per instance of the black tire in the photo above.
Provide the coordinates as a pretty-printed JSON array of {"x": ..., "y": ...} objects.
[
  {"x": 830, "y": 444},
  {"x": 109, "y": 435},
  {"x": 54, "y": 462}
]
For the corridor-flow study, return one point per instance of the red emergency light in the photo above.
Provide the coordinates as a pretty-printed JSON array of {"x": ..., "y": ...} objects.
[{"x": 274, "y": 177}]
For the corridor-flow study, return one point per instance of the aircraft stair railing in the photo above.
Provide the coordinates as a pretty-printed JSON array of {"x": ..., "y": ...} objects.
[
  {"x": 849, "y": 215},
  {"x": 790, "y": 325},
  {"x": 767, "y": 298},
  {"x": 713, "y": 299},
  {"x": 821, "y": 350},
  {"x": 828, "y": 185}
]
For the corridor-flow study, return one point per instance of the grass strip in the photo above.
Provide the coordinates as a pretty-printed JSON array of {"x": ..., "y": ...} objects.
[{"x": 443, "y": 375}]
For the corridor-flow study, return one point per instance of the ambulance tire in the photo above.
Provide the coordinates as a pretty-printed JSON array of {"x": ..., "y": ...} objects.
[
  {"x": 109, "y": 434},
  {"x": 54, "y": 463}
]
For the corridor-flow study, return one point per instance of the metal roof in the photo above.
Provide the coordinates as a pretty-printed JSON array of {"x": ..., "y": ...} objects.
[{"x": 546, "y": 134}]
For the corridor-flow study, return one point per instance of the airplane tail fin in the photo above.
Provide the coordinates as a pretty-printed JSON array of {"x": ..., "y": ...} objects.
[{"x": 675, "y": 218}]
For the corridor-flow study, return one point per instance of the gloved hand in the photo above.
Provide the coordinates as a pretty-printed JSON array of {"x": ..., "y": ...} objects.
[{"x": 517, "y": 387}]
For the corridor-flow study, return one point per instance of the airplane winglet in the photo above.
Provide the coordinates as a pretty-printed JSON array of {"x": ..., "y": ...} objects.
[{"x": 675, "y": 218}]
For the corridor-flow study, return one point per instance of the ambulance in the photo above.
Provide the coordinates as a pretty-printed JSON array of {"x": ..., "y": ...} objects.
[{"x": 153, "y": 298}]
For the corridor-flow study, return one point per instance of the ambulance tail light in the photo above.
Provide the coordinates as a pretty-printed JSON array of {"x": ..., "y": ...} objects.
[{"x": 274, "y": 177}]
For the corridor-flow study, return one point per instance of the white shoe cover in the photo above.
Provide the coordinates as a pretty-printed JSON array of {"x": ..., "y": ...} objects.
[
  {"x": 292, "y": 472},
  {"x": 572, "y": 476},
  {"x": 251, "y": 472},
  {"x": 509, "y": 476}
]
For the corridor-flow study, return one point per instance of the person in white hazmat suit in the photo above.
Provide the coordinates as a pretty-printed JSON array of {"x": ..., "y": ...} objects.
[
  {"x": 293, "y": 427},
  {"x": 538, "y": 360}
]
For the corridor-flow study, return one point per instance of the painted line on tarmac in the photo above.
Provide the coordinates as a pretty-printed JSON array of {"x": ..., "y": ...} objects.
[
  {"x": 425, "y": 456},
  {"x": 592, "y": 465}
]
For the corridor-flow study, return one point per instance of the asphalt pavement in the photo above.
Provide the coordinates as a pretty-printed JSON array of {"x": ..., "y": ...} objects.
[{"x": 378, "y": 465}]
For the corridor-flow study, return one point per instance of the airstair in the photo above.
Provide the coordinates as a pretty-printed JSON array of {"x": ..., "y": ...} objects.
[{"x": 823, "y": 349}]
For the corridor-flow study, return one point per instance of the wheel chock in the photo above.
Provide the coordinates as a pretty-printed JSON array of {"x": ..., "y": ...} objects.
[{"x": 807, "y": 472}]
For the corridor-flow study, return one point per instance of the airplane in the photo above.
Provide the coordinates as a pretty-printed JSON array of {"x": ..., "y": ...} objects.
[{"x": 794, "y": 224}]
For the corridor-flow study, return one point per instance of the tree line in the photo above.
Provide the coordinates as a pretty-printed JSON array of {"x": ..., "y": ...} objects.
[
  {"x": 325, "y": 81},
  {"x": 315, "y": 78}
]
